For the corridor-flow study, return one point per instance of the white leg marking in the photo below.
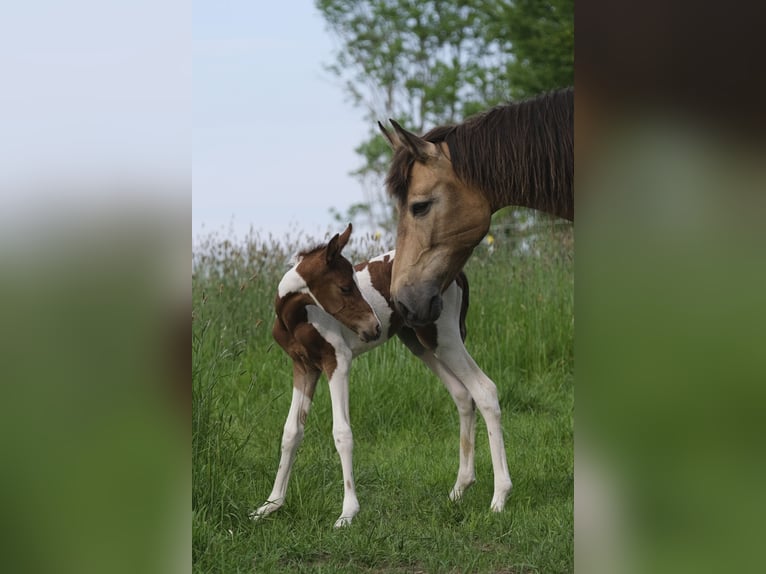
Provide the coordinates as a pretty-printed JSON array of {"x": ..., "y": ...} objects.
[
  {"x": 453, "y": 354},
  {"x": 466, "y": 474},
  {"x": 291, "y": 439},
  {"x": 484, "y": 392},
  {"x": 341, "y": 428},
  {"x": 344, "y": 440}
]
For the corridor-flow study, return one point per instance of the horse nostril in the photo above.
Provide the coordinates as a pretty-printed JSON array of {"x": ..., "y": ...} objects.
[{"x": 403, "y": 310}]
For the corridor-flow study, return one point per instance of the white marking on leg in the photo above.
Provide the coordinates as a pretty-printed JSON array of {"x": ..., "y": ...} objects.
[
  {"x": 484, "y": 393},
  {"x": 452, "y": 353},
  {"x": 466, "y": 474},
  {"x": 341, "y": 431},
  {"x": 291, "y": 439},
  {"x": 330, "y": 331},
  {"x": 344, "y": 439}
]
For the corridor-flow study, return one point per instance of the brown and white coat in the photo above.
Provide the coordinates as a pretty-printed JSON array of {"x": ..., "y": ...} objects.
[{"x": 313, "y": 333}]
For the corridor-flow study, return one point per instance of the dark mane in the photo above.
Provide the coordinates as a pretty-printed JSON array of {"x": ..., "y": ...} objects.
[{"x": 521, "y": 153}]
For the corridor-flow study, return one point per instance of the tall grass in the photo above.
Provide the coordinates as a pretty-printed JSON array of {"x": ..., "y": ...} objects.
[{"x": 520, "y": 331}]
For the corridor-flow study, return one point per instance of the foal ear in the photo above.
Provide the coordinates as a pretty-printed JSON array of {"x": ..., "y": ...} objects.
[
  {"x": 422, "y": 150},
  {"x": 392, "y": 138},
  {"x": 337, "y": 243}
]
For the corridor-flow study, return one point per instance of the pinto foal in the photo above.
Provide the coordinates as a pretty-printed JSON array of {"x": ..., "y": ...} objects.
[{"x": 328, "y": 313}]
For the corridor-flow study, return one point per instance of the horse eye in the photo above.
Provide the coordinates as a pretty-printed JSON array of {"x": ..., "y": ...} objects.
[
  {"x": 346, "y": 290},
  {"x": 420, "y": 208}
]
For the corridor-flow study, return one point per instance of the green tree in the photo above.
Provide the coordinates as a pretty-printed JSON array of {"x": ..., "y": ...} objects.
[
  {"x": 431, "y": 62},
  {"x": 540, "y": 36}
]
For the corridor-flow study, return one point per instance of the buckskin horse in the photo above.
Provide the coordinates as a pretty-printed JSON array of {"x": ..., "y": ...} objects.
[{"x": 450, "y": 181}]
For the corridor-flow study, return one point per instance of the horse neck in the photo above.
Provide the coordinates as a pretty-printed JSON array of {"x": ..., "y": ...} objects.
[
  {"x": 521, "y": 154},
  {"x": 556, "y": 202}
]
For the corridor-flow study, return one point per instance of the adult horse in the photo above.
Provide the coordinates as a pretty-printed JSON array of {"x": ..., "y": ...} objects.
[{"x": 448, "y": 183}]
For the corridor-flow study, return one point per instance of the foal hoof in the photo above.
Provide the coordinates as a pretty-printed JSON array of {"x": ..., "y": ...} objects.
[
  {"x": 459, "y": 489},
  {"x": 498, "y": 500},
  {"x": 498, "y": 503},
  {"x": 264, "y": 510},
  {"x": 343, "y": 521},
  {"x": 255, "y": 515}
]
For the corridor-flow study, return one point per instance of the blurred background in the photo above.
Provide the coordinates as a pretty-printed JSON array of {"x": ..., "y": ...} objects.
[
  {"x": 669, "y": 287},
  {"x": 95, "y": 206}
]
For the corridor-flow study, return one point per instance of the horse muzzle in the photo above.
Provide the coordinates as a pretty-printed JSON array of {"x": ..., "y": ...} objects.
[{"x": 419, "y": 305}]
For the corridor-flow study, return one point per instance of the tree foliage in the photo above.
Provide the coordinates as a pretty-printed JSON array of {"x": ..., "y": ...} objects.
[{"x": 432, "y": 62}]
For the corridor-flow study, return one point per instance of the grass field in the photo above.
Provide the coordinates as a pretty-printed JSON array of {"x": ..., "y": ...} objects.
[{"x": 520, "y": 331}]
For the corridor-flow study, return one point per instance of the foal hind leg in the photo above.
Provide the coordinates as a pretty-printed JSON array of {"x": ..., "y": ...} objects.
[
  {"x": 466, "y": 408},
  {"x": 304, "y": 384},
  {"x": 455, "y": 356}
]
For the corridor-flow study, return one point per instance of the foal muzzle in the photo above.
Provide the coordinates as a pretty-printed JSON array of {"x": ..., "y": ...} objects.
[{"x": 370, "y": 334}]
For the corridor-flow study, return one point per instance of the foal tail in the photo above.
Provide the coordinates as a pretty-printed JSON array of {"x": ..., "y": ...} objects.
[{"x": 462, "y": 282}]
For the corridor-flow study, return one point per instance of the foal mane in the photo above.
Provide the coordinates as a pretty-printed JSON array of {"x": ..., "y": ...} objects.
[
  {"x": 311, "y": 250},
  {"x": 520, "y": 153}
]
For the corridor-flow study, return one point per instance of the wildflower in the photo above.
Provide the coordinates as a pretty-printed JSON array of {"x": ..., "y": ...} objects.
[{"x": 490, "y": 241}]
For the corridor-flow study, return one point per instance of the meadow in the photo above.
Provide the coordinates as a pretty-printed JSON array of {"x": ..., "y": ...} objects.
[{"x": 520, "y": 331}]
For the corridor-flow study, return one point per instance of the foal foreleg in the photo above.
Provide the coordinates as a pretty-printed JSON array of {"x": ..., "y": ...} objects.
[
  {"x": 304, "y": 384},
  {"x": 344, "y": 440},
  {"x": 466, "y": 408}
]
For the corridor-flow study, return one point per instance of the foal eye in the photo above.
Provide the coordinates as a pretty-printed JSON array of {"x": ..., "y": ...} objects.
[
  {"x": 420, "y": 208},
  {"x": 346, "y": 290}
]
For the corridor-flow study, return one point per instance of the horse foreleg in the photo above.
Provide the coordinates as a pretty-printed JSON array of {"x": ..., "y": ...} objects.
[
  {"x": 304, "y": 384},
  {"x": 344, "y": 440}
]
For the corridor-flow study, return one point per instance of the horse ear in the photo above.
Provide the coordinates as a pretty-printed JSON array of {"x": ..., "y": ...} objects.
[
  {"x": 337, "y": 243},
  {"x": 422, "y": 150},
  {"x": 392, "y": 138}
]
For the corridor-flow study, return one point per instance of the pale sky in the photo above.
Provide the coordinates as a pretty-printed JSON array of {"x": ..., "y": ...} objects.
[
  {"x": 273, "y": 131},
  {"x": 104, "y": 103}
]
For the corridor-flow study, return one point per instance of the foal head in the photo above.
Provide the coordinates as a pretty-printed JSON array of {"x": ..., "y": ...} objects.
[
  {"x": 330, "y": 279},
  {"x": 441, "y": 220}
]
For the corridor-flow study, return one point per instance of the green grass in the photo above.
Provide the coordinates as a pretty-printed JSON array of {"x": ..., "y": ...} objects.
[{"x": 520, "y": 331}]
